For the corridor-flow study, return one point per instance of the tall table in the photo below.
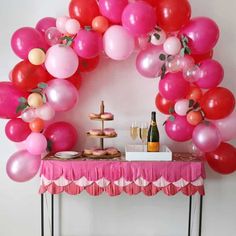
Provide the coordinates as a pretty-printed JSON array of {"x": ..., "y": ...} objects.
[{"x": 184, "y": 174}]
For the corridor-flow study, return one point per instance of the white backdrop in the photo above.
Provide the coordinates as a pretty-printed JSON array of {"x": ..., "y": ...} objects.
[{"x": 130, "y": 97}]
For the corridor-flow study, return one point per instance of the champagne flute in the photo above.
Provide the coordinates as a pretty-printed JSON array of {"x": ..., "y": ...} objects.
[
  {"x": 143, "y": 133},
  {"x": 134, "y": 130}
]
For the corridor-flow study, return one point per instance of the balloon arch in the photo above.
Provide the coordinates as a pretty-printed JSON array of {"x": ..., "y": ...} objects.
[{"x": 173, "y": 47}]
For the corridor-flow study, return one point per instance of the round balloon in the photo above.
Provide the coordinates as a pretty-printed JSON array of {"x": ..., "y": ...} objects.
[
  {"x": 36, "y": 143},
  {"x": 87, "y": 65},
  {"x": 53, "y": 36},
  {"x": 164, "y": 105},
  {"x": 76, "y": 80},
  {"x": 45, "y": 112},
  {"x": 45, "y": 23}
]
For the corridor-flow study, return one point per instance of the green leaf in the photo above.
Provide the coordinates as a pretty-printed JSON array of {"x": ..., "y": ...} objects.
[
  {"x": 21, "y": 107},
  {"x": 44, "y": 98},
  {"x": 22, "y": 100},
  {"x": 162, "y": 57},
  {"x": 187, "y": 50},
  {"x": 172, "y": 118},
  {"x": 171, "y": 110},
  {"x": 49, "y": 145},
  {"x": 37, "y": 90},
  {"x": 163, "y": 70},
  {"x": 149, "y": 38},
  {"x": 88, "y": 27},
  {"x": 157, "y": 36},
  {"x": 42, "y": 85},
  {"x": 157, "y": 29},
  {"x": 182, "y": 52},
  {"x": 191, "y": 103}
]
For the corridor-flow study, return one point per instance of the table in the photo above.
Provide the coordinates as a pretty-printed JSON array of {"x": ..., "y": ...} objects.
[{"x": 184, "y": 174}]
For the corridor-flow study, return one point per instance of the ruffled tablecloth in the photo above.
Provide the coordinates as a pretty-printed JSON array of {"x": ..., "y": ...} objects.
[{"x": 115, "y": 177}]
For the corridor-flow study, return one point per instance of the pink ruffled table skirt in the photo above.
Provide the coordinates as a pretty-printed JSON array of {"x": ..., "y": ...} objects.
[{"x": 115, "y": 177}]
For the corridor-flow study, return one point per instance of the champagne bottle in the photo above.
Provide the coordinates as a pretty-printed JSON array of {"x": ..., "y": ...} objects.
[{"x": 153, "y": 144}]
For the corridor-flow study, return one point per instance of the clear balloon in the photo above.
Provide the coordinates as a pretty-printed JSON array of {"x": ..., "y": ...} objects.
[
  {"x": 28, "y": 115},
  {"x": 192, "y": 74},
  {"x": 194, "y": 150},
  {"x": 181, "y": 107},
  {"x": 45, "y": 23},
  {"x": 53, "y": 36},
  {"x": 23, "y": 166},
  {"x": 45, "y": 112},
  {"x": 36, "y": 143},
  {"x": 61, "y": 23}
]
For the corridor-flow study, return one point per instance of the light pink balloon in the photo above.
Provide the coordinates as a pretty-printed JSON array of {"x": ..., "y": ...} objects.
[
  {"x": 226, "y": 126},
  {"x": 61, "y": 95},
  {"x": 45, "y": 112},
  {"x": 139, "y": 18},
  {"x": 148, "y": 62},
  {"x": 179, "y": 129},
  {"x": 72, "y": 26},
  {"x": 23, "y": 166},
  {"x": 206, "y": 137},
  {"x": 28, "y": 115},
  {"x": 36, "y": 143},
  {"x": 45, "y": 23},
  {"x": 118, "y": 43},
  {"x": 61, "y": 23},
  {"x": 211, "y": 74},
  {"x": 201, "y": 42},
  {"x": 61, "y": 61},
  {"x": 53, "y": 36},
  {"x": 182, "y": 106},
  {"x": 172, "y": 45}
]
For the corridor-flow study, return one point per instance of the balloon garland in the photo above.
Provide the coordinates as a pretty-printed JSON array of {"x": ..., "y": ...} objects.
[{"x": 173, "y": 48}]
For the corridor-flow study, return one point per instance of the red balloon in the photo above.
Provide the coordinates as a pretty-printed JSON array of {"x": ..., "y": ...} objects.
[
  {"x": 17, "y": 130},
  {"x": 200, "y": 57},
  {"x": 62, "y": 136},
  {"x": 84, "y": 11},
  {"x": 223, "y": 159},
  {"x": 172, "y": 14},
  {"x": 87, "y": 65},
  {"x": 76, "y": 79},
  {"x": 164, "y": 105},
  {"x": 217, "y": 103},
  {"x": 26, "y": 76}
]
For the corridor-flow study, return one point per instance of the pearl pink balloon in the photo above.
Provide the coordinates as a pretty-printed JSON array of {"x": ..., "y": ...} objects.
[
  {"x": 9, "y": 100},
  {"x": 25, "y": 39},
  {"x": 139, "y": 18},
  {"x": 173, "y": 86},
  {"x": 201, "y": 42},
  {"x": 148, "y": 62},
  {"x": 182, "y": 106},
  {"x": 112, "y": 9},
  {"x": 36, "y": 143},
  {"x": 61, "y": 61},
  {"x": 211, "y": 75},
  {"x": 23, "y": 166},
  {"x": 206, "y": 137},
  {"x": 226, "y": 126},
  {"x": 172, "y": 45},
  {"x": 118, "y": 43},
  {"x": 88, "y": 44},
  {"x": 45, "y": 112},
  {"x": 53, "y": 36},
  {"x": 61, "y": 23},
  {"x": 45, "y": 23},
  {"x": 72, "y": 26},
  {"x": 194, "y": 150},
  {"x": 179, "y": 130},
  {"x": 17, "y": 130},
  {"x": 62, "y": 135},
  {"x": 61, "y": 95},
  {"x": 28, "y": 115}
]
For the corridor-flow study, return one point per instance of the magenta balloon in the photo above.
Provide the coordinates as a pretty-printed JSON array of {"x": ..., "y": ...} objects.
[
  {"x": 9, "y": 100},
  {"x": 62, "y": 136},
  {"x": 88, "y": 44},
  {"x": 201, "y": 42},
  {"x": 17, "y": 130},
  {"x": 23, "y": 166},
  {"x": 173, "y": 86},
  {"x": 45, "y": 23},
  {"x": 148, "y": 61},
  {"x": 226, "y": 126},
  {"x": 112, "y": 9},
  {"x": 53, "y": 36},
  {"x": 139, "y": 18},
  {"x": 179, "y": 129},
  {"x": 206, "y": 137},
  {"x": 61, "y": 94},
  {"x": 25, "y": 39},
  {"x": 36, "y": 143},
  {"x": 211, "y": 74}
]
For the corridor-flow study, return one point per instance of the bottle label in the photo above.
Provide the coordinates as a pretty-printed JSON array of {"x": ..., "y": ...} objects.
[{"x": 153, "y": 146}]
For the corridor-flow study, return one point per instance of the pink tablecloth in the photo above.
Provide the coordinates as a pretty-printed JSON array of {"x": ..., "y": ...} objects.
[{"x": 115, "y": 177}]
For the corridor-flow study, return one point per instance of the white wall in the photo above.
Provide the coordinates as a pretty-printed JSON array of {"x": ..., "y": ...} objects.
[{"x": 130, "y": 97}]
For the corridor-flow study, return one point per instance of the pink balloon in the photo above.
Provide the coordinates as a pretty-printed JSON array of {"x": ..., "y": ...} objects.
[
  {"x": 139, "y": 18},
  {"x": 72, "y": 26},
  {"x": 23, "y": 166},
  {"x": 45, "y": 23},
  {"x": 181, "y": 107},
  {"x": 53, "y": 36},
  {"x": 36, "y": 143},
  {"x": 45, "y": 112},
  {"x": 9, "y": 100},
  {"x": 61, "y": 23},
  {"x": 211, "y": 74},
  {"x": 61, "y": 95},
  {"x": 179, "y": 129},
  {"x": 226, "y": 126},
  {"x": 62, "y": 136},
  {"x": 201, "y": 42},
  {"x": 178, "y": 63},
  {"x": 88, "y": 44},
  {"x": 61, "y": 61},
  {"x": 173, "y": 86},
  {"x": 28, "y": 115},
  {"x": 148, "y": 62},
  {"x": 25, "y": 39},
  {"x": 118, "y": 43},
  {"x": 206, "y": 137},
  {"x": 172, "y": 45},
  {"x": 112, "y": 9},
  {"x": 17, "y": 130}
]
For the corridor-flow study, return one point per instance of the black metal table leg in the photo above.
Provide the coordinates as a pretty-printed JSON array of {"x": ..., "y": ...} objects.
[
  {"x": 42, "y": 215},
  {"x": 200, "y": 216},
  {"x": 52, "y": 214},
  {"x": 190, "y": 215}
]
